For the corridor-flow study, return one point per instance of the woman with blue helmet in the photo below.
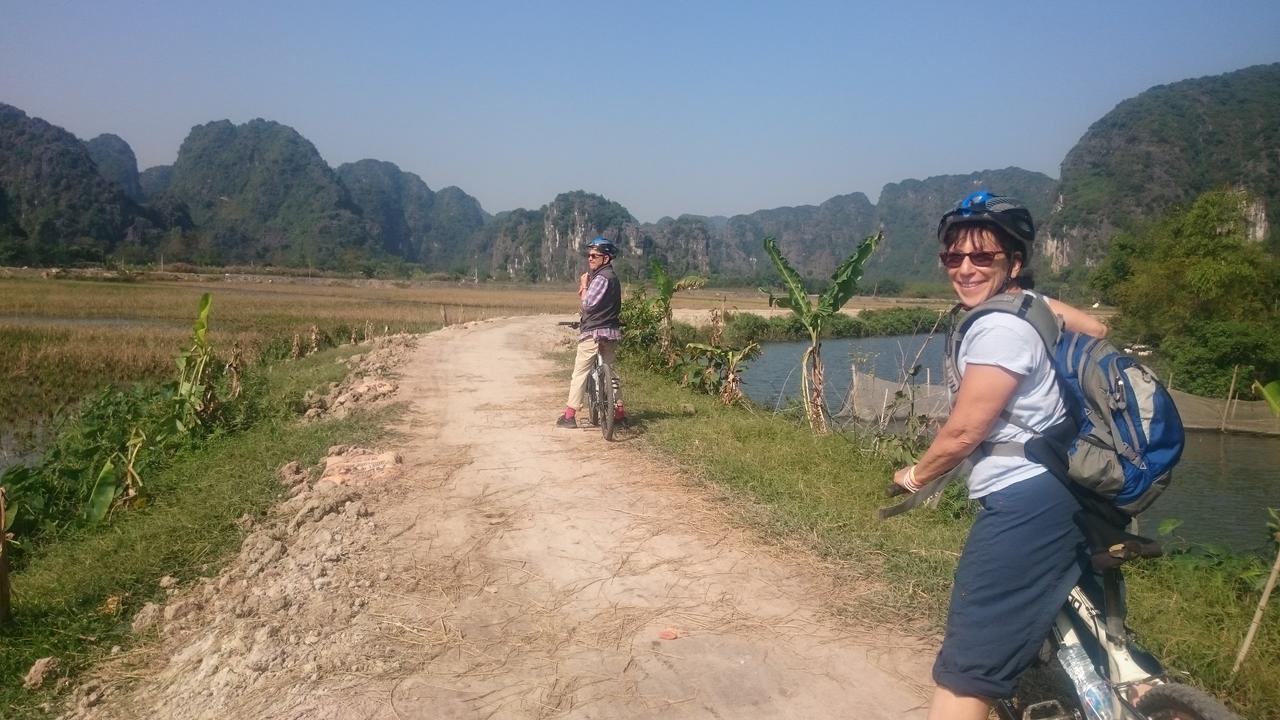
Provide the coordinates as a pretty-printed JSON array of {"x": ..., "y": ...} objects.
[
  {"x": 600, "y": 325},
  {"x": 1024, "y": 552}
]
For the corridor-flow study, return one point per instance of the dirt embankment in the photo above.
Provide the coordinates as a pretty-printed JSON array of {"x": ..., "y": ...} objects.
[{"x": 486, "y": 564}]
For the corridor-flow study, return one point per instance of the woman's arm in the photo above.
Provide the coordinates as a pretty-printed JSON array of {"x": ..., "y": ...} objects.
[
  {"x": 1077, "y": 320},
  {"x": 984, "y": 393}
]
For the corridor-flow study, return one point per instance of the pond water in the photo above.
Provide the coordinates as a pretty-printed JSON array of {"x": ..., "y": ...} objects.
[{"x": 1221, "y": 489}]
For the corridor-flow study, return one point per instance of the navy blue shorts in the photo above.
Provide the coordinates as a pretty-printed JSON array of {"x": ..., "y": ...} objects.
[{"x": 1023, "y": 556}]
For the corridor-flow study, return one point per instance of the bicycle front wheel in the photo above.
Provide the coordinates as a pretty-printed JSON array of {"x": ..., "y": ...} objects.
[
  {"x": 1182, "y": 702},
  {"x": 609, "y": 406}
]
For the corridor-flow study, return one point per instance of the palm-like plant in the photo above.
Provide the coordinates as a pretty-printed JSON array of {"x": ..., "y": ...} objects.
[
  {"x": 815, "y": 315},
  {"x": 1269, "y": 392},
  {"x": 718, "y": 370},
  {"x": 667, "y": 287}
]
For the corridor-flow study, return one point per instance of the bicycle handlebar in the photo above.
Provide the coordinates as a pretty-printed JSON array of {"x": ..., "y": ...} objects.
[{"x": 569, "y": 323}]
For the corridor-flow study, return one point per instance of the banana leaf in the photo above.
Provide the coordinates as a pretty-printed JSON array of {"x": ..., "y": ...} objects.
[
  {"x": 1271, "y": 393},
  {"x": 103, "y": 492},
  {"x": 201, "y": 327},
  {"x": 844, "y": 281},
  {"x": 797, "y": 299}
]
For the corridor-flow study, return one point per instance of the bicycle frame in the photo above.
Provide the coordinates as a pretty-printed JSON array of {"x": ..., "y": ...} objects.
[{"x": 1104, "y": 637}]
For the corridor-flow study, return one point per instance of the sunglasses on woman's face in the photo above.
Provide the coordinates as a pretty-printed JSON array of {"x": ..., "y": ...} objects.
[
  {"x": 595, "y": 255},
  {"x": 982, "y": 258}
]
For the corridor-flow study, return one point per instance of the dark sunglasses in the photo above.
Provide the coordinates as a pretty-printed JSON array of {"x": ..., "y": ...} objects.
[
  {"x": 982, "y": 258},
  {"x": 594, "y": 255}
]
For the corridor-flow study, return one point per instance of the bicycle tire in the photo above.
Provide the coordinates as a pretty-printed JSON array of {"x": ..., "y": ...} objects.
[
  {"x": 1182, "y": 702},
  {"x": 609, "y": 408},
  {"x": 593, "y": 398}
]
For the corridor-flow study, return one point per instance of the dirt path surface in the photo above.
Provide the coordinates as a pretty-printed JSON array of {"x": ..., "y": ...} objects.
[{"x": 490, "y": 565}]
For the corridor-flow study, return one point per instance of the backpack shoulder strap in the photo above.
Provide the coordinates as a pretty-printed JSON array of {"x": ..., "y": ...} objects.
[{"x": 1028, "y": 306}]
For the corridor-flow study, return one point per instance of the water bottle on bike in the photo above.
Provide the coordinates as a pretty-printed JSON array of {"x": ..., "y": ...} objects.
[{"x": 1093, "y": 691}]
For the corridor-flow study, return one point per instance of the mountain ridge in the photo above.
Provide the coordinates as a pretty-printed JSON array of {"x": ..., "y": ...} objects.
[{"x": 260, "y": 192}]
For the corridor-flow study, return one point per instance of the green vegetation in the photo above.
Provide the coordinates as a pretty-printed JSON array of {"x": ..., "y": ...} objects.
[
  {"x": 1168, "y": 146},
  {"x": 62, "y": 340},
  {"x": 1197, "y": 288},
  {"x": 815, "y": 316},
  {"x": 665, "y": 289},
  {"x": 54, "y": 206},
  {"x": 822, "y": 492},
  {"x": 75, "y": 597}
]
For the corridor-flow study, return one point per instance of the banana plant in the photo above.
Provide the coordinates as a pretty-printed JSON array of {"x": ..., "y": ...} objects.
[
  {"x": 815, "y": 315},
  {"x": 667, "y": 287},
  {"x": 722, "y": 373},
  {"x": 191, "y": 392},
  {"x": 1271, "y": 393}
]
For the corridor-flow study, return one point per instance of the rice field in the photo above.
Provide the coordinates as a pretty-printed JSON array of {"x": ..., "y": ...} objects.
[
  {"x": 65, "y": 335},
  {"x": 61, "y": 339}
]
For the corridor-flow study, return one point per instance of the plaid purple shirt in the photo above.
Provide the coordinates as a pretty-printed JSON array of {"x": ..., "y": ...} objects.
[{"x": 595, "y": 291}]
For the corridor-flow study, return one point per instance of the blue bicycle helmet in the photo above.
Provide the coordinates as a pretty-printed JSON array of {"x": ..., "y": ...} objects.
[
  {"x": 1005, "y": 213},
  {"x": 603, "y": 244}
]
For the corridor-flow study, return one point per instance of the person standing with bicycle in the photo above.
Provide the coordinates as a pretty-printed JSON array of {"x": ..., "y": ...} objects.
[
  {"x": 1025, "y": 551},
  {"x": 600, "y": 326}
]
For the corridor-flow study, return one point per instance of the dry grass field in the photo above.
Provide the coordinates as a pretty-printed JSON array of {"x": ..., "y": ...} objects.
[
  {"x": 65, "y": 335},
  {"x": 61, "y": 338}
]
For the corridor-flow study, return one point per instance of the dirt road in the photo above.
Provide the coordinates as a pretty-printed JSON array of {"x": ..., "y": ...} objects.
[{"x": 500, "y": 567}]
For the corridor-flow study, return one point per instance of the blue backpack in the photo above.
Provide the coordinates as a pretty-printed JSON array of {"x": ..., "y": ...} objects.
[{"x": 1123, "y": 434}]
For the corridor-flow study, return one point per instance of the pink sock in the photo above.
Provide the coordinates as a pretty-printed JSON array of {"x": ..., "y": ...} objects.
[{"x": 570, "y": 412}]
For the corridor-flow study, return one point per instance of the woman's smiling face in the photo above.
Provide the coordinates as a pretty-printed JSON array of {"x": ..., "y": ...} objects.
[{"x": 974, "y": 284}]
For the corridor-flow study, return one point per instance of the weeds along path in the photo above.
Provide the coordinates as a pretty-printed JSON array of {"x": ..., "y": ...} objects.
[{"x": 508, "y": 569}]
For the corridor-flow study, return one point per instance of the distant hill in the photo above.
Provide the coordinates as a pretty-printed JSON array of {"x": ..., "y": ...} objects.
[
  {"x": 116, "y": 162},
  {"x": 55, "y": 207},
  {"x": 910, "y": 210},
  {"x": 260, "y": 193},
  {"x": 155, "y": 180},
  {"x": 263, "y": 194},
  {"x": 1164, "y": 148},
  {"x": 406, "y": 218}
]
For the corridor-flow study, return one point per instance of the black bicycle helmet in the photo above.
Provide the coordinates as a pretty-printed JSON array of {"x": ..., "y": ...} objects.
[
  {"x": 1004, "y": 212},
  {"x": 603, "y": 244}
]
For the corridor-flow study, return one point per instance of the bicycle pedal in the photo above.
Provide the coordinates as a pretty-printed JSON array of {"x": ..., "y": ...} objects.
[{"x": 1048, "y": 710}]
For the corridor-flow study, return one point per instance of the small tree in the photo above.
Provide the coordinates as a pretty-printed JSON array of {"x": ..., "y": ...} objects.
[
  {"x": 815, "y": 316},
  {"x": 666, "y": 289}
]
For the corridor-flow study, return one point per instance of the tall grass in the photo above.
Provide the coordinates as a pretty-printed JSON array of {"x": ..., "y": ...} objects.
[{"x": 823, "y": 492}]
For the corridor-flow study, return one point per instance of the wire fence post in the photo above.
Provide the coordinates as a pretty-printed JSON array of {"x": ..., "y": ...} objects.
[
  {"x": 5, "y": 609},
  {"x": 1231, "y": 392}
]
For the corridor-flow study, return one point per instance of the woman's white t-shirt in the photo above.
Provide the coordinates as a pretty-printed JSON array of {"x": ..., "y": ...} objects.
[{"x": 1011, "y": 343}]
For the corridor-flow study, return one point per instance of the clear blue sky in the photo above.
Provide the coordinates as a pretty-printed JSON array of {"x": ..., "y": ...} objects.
[{"x": 666, "y": 107}]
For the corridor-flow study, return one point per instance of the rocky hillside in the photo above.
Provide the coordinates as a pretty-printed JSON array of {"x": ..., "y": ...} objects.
[
  {"x": 264, "y": 194},
  {"x": 55, "y": 207},
  {"x": 116, "y": 163},
  {"x": 155, "y": 180},
  {"x": 909, "y": 211},
  {"x": 1164, "y": 148},
  {"x": 260, "y": 192},
  {"x": 406, "y": 218}
]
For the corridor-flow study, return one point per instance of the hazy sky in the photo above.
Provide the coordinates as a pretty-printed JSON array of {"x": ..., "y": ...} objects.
[{"x": 665, "y": 107}]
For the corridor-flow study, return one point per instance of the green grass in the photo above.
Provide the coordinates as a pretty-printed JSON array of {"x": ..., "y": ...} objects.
[
  {"x": 823, "y": 492},
  {"x": 74, "y": 598}
]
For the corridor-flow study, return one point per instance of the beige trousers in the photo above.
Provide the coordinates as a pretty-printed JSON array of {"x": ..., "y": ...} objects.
[{"x": 583, "y": 363}]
